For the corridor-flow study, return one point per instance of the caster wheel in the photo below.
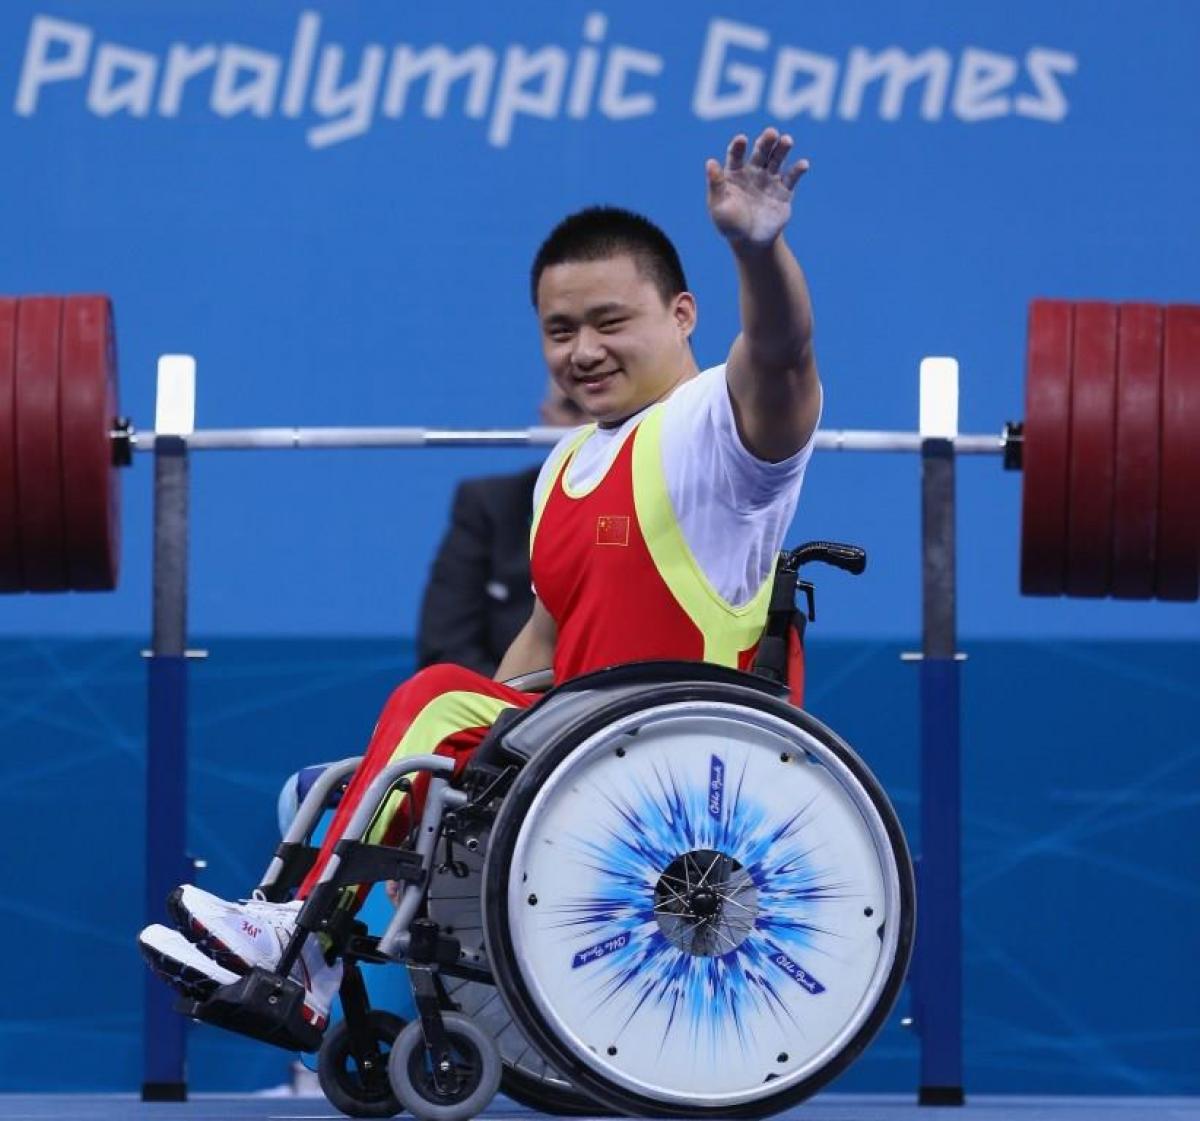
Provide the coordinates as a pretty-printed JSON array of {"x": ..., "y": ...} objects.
[
  {"x": 474, "y": 1076},
  {"x": 358, "y": 1085},
  {"x": 526, "y": 1077}
]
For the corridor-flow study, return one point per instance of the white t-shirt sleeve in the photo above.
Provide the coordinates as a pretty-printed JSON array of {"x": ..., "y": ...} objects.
[{"x": 733, "y": 508}]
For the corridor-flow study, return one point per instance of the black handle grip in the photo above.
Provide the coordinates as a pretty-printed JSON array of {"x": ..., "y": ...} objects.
[{"x": 849, "y": 558}]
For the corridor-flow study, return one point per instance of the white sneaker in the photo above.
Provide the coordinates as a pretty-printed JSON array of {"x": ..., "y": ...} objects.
[
  {"x": 238, "y": 936},
  {"x": 180, "y": 963},
  {"x": 254, "y": 933}
]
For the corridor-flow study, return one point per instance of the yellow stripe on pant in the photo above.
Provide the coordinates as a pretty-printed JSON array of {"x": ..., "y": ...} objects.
[{"x": 442, "y": 718}]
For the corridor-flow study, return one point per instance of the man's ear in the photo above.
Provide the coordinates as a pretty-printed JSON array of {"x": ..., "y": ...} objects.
[{"x": 683, "y": 311}]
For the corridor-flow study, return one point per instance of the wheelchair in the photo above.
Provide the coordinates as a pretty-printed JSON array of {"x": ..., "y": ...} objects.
[{"x": 662, "y": 890}]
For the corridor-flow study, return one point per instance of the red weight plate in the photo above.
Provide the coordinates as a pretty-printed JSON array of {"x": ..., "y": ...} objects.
[
  {"x": 88, "y": 407},
  {"x": 1177, "y": 566},
  {"x": 1135, "y": 487},
  {"x": 10, "y": 541},
  {"x": 39, "y": 468},
  {"x": 1045, "y": 454},
  {"x": 1093, "y": 435}
]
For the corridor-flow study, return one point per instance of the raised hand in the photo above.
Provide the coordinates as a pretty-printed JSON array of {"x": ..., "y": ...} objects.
[{"x": 750, "y": 200}]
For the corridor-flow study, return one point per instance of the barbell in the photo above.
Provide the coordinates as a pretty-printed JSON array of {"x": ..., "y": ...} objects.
[{"x": 1109, "y": 448}]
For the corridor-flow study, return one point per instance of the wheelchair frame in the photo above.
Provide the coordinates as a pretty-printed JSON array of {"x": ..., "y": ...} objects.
[{"x": 269, "y": 1005}]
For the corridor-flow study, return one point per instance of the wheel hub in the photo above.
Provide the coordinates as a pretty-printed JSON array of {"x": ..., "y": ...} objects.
[{"x": 705, "y": 903}]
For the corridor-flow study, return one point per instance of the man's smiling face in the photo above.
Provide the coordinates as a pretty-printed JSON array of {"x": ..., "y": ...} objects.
[{"x": 610, "y": 340}]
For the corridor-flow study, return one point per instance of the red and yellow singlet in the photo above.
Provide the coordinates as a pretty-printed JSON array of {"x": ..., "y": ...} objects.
[{"x": 611, "y": 565}]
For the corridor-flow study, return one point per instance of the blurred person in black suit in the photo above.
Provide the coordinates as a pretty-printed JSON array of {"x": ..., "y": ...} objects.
[{"x": 479, "y": 594}]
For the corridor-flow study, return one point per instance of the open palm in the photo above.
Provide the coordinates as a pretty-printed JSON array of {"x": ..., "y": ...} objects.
[{"x": 750, "y": 200}]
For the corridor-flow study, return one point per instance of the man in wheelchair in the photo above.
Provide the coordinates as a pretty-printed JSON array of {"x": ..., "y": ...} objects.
[{"x": 654, "y": 538}]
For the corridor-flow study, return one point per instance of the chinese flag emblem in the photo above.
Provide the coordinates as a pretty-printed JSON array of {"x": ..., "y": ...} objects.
[{"x": 612, "y": 529}]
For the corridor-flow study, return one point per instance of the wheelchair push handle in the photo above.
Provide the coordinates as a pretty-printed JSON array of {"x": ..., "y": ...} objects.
[{"x": 849, "y": 558}]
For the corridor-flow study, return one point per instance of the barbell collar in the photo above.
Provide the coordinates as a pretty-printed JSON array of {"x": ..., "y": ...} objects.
[
  {"x": 1013, "y": 442},
  {"x": 123, "y": 440}
]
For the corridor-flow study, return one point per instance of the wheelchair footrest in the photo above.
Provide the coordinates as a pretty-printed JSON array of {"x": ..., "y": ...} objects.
[{"x": 261, "y": 1005}]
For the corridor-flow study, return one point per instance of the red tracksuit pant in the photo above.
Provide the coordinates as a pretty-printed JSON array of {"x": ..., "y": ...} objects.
[{"x": 442, "y": 710}]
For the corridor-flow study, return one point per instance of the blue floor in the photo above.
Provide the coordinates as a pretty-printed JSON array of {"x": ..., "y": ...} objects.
[{"x": 826, "y": 1107}]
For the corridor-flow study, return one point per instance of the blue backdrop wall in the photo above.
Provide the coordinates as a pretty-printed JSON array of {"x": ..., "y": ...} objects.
[
  {"x": 308, "y": 199},
  {"x": 333, "y": 207}
]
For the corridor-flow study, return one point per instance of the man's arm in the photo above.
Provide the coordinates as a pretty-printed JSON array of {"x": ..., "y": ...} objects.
[
  {"x": 533, "y": 648},
  {"x": 771, "y": 370},
  {"x": 454, "y": 611}
]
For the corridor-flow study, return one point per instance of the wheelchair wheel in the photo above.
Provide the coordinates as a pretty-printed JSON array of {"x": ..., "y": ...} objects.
[
  {"x": 474, "y": 1068},
  {"x": 454, "y": 903},
  {"x": 699, "y": 902},
  {"x": 358, "y": 1085}
]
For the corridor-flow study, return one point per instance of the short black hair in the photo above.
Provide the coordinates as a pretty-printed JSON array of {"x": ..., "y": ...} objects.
[{"x": 601, "y": 232}]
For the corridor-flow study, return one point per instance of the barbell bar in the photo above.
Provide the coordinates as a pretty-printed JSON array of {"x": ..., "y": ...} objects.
[
  {"x": 1110, "y": 447},
  {"x": 308, "y": 439}
]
